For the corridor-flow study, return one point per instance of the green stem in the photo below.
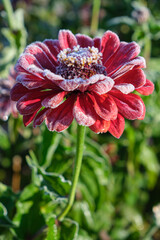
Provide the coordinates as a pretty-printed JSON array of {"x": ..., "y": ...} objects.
[
  {"x": 77, "y": 168},
  {"x": 95, "y": 16},
  {"x": 9, "y": 10}
]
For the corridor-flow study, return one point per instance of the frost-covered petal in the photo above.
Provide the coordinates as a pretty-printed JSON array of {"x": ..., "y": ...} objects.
[
  {"x": 66, "y": 39},
  {"x": 83, "y": 110},
  {"x": 53, "y": 46},
  {"x": 146, "y": 89},
  {"x": 125, "y": 88},
  {"x": 30, "y": 81},
  {"x": 129, "y": 106},
  {"x": 125, "y": 53},
  {"x": 104, "y": 106},
  {"x": 102, "y": 87},
  {"x": 136, "y": 77},
  {"x": 138, "y": 62},
  {"x": 42, "y": 54},
  {"x": 53, "y": 100},
  {"x": 109, "y": 44},
  {"x": 84, "y": 41},
  {"x": 117, "y": 126},
  {"x": 61, "y": 117},
  {"x": 52, "y": 76},
  {"x": 27, "y": 63}
]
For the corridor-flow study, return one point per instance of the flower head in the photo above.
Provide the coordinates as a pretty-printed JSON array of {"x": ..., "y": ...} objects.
[
  {"x": 7, "y": 106},
  {"x": 76, "y": 77}
]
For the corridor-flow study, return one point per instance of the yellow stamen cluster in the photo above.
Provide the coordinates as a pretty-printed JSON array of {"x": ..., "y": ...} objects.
[{"x": 80, "y": 57}]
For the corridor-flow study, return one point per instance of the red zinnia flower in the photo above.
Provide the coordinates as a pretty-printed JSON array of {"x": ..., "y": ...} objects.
[
  {"x": 7, "y": 106},
  {"x": 90, "y": 80}
]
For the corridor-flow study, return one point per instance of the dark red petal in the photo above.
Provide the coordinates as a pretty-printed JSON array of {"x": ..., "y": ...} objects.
[
  {"x": 109, "y": 45},
  {"x": 53, "y": 100},
  {"x": 103, "y": 86},
  {"x": 30, "y": 81},
  {"x": 27, "y": 119},
  {"x": 41, "y": 117},
  {"x": 84, "y": 41},
  {"x": 117, "y": 126},
  {"x": 27, "y": 63},
  {"x": 41, "y": 56},
  {"x": 147, "y": 88},
  {"x": 104, "y": 106},
  {"x": 130, "y": 105},
  {"x": 97, "y": 43},
  {"x": 53, "y": 46},
  {"x": 50, "y": 55},
  {"x": 136, "y": 63},
  {"x": 100, "y": 126},
  {"x": 61, "y": 117},
  {"x": 136, "y": 77},
  {"x": 125, "y": 53},
  {"x": 18, "y": 91},
  {"x": 67, "y": 39},
  {"x": 30, "y": 102},
  {"x": 83, "y": 110}
]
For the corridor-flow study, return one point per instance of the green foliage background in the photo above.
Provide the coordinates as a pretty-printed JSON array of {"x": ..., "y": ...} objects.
[{"x": 119, "y": 183}]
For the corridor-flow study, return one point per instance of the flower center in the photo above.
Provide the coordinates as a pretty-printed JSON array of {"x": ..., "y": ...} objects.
[{"x": 80, "y": 62}]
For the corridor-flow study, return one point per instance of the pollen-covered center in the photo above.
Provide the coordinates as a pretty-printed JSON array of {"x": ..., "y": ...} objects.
[{"x": 80, "y": 62}]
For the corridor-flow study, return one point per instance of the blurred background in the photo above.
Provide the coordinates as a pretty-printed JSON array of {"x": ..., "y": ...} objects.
[{"x": 118, "y": 193}]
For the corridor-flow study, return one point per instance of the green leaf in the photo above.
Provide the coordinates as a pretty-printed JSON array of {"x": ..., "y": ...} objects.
[
  {"x": 52, "y": 230},
  {"x": 69, "y": 230},
  {"x": 54, "y": 182}
]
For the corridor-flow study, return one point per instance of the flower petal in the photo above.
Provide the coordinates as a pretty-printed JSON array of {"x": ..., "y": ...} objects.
[
  {"x": 104, "y": 106},
  {"x": 41, "y": 117},
  {"x": 125, "y": 88},
  {"x": 30, "y": 102},
  {"x": 61, "y": 117},
  {"x": 125, "y": 53},
  {"x": 136, "y": 77},
  {"x": 41, "y": 55},
  {"x": 129, "y": 106},
  {"x": 102, "y": 87},
  {"x": 84, "y": 41},
  {"x": 54, "y": 100},
  {"x": 100, "y": 125},
  {"x": 138, "y": 62},
  {"x": 97, "y": 43},
  {"x": 53, "y": 46},
  {"x": 117, "y": 126},
  {"x": 67, "y": 39},
  {"x": 109, "y": 45},
  {"x": 83, "y": 110},
  {"x": 143, "y": 113},
  {"x": 18, "y": 91},
  {"x": 27, "y": 63},
  {"x": 27, "y": 119},
  {"x": 146, "y": 89},
  {"x": 30, "y": 81}
]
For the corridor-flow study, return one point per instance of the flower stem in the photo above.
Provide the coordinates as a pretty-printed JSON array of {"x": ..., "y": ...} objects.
[
  {"x": 77, "y": 168},
  {"x": 9, "y": 10},
  {"x": 95, "y": 16}
]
